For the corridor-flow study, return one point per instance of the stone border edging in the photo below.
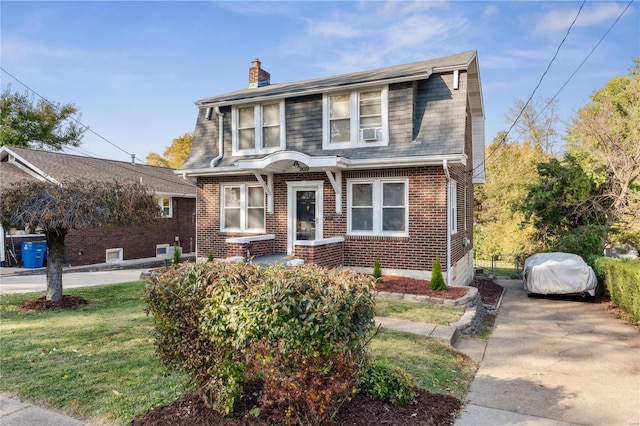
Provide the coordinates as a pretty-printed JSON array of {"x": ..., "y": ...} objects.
[{"x": 471, "y": 320}]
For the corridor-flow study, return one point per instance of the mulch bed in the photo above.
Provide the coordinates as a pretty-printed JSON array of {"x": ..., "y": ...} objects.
[
  {"x": 42, "y": 304},
  {"x": 427, "y": 409},
  {"x": 490, "y": 292},
  {"x": 394, "y": 284}
]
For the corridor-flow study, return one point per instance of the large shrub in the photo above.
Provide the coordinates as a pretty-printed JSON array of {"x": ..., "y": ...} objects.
[{"x": 302, "y": 330}]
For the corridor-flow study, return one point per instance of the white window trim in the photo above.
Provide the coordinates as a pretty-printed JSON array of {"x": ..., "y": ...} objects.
[
  {"x": 161, "y": 204},
  {"x": 356, "y": 135},
  {"x": 453, "y": 205},
  {"x": 377, "y": 207},
  {"x": 257, "y": 116},
  {"x": 243, "y": 207}
]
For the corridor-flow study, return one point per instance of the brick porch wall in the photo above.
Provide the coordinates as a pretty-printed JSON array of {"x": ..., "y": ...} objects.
[{"x": 326, "y": 255}]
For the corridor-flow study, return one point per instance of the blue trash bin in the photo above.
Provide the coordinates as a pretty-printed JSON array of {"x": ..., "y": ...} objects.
[{"x": 33, "y": 254}]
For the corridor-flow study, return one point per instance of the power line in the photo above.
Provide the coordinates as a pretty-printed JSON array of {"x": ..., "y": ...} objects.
[
  {"x": 72, "y": 118},
  {"x": 583, "y": 62},
  {"x": 504, "y": 138}
]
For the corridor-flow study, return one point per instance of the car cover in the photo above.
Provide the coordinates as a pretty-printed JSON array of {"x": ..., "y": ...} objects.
[{"x": 558, "y": 273}]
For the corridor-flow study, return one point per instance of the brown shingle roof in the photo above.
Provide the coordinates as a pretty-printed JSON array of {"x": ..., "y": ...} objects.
[{"x": 61, "y": 167}]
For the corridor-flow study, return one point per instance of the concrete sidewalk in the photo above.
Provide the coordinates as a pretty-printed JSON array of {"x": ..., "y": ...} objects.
[
  {"x": 555, "y": 362},
  {"x": 14, "y": 412}
]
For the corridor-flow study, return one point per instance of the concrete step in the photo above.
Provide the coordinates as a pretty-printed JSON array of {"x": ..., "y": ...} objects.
[{"x": 443, "y": 333}]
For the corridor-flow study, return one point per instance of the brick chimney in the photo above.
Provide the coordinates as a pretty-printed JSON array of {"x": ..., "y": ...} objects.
[{"x": 257, "y": 76}]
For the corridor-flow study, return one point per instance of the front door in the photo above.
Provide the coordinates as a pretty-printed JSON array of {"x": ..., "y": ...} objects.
[
  {"x": 305, "y": 212},
  {"x": 305, "y": 221}
]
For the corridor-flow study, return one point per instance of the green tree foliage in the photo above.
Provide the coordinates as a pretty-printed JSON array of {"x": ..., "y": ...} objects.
[
  {"x": 44, "y": 125},
  {"x": 498, "y": 225},
  {"x": 605, "y": 140},
  {"x": 437, "y": 279},
  {"x": 549, "y": 204},
  {"x": 57, "y": 208},
  {"x": 175, "y": 154}
]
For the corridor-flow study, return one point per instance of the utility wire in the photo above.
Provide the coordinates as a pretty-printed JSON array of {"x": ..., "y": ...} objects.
[
  {"x": 116, "y": 163},
  {"x": 72, "y": 118},
  {"x": 526, "y": 104},
  {"x": 581, "y": 63}
]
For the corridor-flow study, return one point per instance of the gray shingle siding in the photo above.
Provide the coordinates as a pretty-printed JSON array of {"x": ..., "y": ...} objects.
[{"x": 425, "y": 117}]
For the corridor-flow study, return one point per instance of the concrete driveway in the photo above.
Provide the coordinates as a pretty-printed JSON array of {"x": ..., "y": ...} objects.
[{"x": 554, "y": 362}]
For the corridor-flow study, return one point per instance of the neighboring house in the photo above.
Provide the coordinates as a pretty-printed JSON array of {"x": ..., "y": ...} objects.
[
  {"x": 342, "y": 170},
  {"x": 175, "y": 195}
]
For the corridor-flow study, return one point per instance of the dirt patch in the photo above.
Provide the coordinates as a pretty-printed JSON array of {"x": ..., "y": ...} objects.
[
  {"x": 42, "y": 304},
  {"x": 394, "y": 284}
]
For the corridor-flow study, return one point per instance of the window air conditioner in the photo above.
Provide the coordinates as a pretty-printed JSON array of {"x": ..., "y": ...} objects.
[{"x": 370, "y": 134}]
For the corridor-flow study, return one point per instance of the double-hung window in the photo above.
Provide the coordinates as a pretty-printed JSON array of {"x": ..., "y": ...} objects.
[
  {"x": 378, "y": 207},
  {"x": 355, "y": 118},
  {"x": 166, "y": 206},
  {"x": 258, "y": 128},
  {"x": 242, "y": 208}
]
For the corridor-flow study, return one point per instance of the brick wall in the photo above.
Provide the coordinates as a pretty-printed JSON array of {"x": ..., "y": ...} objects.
[
  {"x": 88, "y": 246},
  {"x": 427, "y": 221},
  {"x": 326, "y": 255}
]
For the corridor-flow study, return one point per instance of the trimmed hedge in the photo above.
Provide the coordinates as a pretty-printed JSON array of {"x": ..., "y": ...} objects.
[
  {"x": 302, "y": 330},
  {"x": 622, "y": 279}
]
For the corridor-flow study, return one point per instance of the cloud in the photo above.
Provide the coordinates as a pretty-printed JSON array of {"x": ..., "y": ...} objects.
[
  {"x": 490, "y": 11},
  {"x": 592, "y": 14},
  {"x": 375, "y": 34},
  {"x": 19, "y": 49}
]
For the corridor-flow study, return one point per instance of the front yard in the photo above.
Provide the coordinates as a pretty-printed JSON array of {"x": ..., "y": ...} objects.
[{"x": 98, "y": 362}]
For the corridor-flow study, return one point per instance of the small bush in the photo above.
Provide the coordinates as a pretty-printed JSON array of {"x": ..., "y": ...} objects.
[
  {"x": 437, "y": 279},
  {"x": 177, "y": 254},
  {"x": 210, "y": 257},
  {"x": 377, "y": 272},
  {"x": 387, "y": 382}
]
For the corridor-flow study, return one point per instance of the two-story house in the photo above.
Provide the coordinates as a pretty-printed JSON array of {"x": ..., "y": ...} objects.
[{"x": 344, "y": 170}]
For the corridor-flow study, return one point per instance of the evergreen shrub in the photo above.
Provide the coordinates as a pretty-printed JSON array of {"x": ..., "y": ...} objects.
[
  {"x": 437, "y": 279},
  {"x": 387, "y": 382},
  {"x": 302, "y": 330}
]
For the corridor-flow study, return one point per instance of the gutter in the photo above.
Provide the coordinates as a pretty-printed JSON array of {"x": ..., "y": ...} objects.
[
  {"x": 214, "y": 162},
  {"x": 445, "y": 167}
]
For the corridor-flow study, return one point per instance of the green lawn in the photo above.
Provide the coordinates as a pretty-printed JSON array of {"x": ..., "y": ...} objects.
[
  {"x": 98, "y": 362},
  {"x": 417, "y": 311}
]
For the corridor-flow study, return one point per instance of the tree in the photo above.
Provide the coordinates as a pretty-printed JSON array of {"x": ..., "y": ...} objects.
[
  {"x": 175, "y": 154},
  {"x": 498, "y": 226},
  {"x": 605, "y": 140},
  {"x": 550, "y": 207},
  {"x": 58, "y": 208},
  {"x": 44, "y": 124}
]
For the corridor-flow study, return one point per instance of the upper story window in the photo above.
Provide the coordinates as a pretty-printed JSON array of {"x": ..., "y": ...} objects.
[
  {"x": 166, "y": 206},
  {"x": 356, "y": 118},
  {"x": 377, "y": 207},
  {"x": 242, "y": 208},
  {"x": 258, "y": 128}
]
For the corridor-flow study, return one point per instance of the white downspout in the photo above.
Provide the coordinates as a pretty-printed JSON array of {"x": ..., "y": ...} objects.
[
  {"x": 446, "y": 174},
  {"x": 215, "y": 161}
]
